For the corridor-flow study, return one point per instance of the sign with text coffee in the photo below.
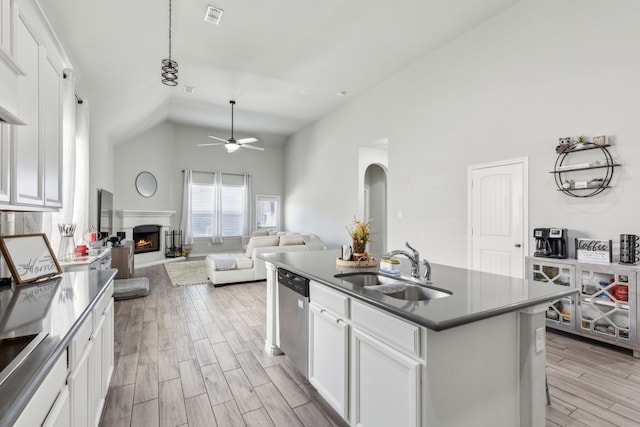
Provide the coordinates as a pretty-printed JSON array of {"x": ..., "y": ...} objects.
[{"x": 593, "y": 250}]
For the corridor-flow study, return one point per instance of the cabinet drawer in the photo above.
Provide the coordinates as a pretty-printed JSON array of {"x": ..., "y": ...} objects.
[
  {"x": 397, "y": 333},
  {"x": 334, "y": 301},
  {"x": 40, "y": 404},
  {"x": 101, "y": 306},
  {"x": 80, "y": 341}
]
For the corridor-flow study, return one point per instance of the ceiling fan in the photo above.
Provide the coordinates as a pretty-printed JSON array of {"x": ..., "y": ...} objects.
[{"x": 233, "y": 144}]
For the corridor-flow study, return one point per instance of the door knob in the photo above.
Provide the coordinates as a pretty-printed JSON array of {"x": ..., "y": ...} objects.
[{"x": 518, "y": 245}]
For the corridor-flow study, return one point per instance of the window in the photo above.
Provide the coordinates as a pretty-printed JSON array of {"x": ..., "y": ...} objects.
[
  {"x": 233, "y": 206},
  {"x": 202, "y": 209},
  {"x": 268, "y": 212},
  {"x": 232, "y": 210}
]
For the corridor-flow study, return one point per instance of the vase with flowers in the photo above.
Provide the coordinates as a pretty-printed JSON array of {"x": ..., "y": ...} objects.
[{"x": 360, "y": 231}]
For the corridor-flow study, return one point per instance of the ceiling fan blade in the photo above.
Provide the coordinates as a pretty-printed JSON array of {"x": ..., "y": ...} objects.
[
  {"x": 212, "y": 144},
  {"x": 246, "y": 140},
  {"x": 219, "y": 139},
  {"x": 252, "y": 147}
]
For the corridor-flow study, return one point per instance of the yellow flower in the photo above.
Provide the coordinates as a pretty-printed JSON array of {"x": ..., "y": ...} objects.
[{"x": 360, "y": 230}]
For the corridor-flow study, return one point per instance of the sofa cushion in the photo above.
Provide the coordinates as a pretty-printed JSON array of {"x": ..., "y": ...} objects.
[
  {"x": 261, "y": 241},
  {"x": 242, "y": 262},
  {"x": 294, "y": 239}
]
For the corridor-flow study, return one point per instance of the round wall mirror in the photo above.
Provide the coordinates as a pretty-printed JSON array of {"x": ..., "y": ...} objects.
[{"x": 146, "y": 184}]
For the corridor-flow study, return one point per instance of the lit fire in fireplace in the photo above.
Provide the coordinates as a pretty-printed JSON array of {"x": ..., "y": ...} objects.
[{"x": 142, "y": 243}]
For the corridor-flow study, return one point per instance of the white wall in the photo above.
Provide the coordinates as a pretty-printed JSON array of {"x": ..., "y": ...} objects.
[
  {"x": 541, "y": 70},
  {"x": 167, "y": 149}
]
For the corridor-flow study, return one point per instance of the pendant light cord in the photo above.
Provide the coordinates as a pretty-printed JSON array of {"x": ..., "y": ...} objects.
[{"x": 169, "y": 30}]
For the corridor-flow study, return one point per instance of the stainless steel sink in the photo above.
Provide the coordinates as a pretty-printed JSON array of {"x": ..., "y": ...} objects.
[{"x": 394, "y": 287}]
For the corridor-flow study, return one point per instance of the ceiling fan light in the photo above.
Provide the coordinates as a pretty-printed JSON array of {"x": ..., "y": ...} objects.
[{"x": 231, "y": 148}]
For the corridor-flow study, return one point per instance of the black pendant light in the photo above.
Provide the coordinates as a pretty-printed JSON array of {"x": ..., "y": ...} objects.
[{"x": 169, "y": 67}]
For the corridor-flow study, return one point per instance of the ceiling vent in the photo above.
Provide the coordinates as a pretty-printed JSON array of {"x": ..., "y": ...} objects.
[{"x": 213, "y": 15}]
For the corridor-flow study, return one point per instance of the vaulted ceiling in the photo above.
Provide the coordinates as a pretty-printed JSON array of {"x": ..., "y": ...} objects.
[{"x": 284, "y": 61}]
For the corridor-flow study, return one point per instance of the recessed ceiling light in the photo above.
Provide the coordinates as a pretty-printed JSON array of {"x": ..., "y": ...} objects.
[
  {"x": 189, "y": 89},
  {"x": 213, "y": 15},
  {"x": 342, "y": 93}
]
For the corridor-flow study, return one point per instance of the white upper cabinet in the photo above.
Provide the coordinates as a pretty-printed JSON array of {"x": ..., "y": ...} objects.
[
  {"x": 8, "y": 20},
  {"x": 5, "y": 162},
  {"x": 33, "y": 152},
  {"x": 52, "y": 100},
  {"x": 29, "y": 149}
]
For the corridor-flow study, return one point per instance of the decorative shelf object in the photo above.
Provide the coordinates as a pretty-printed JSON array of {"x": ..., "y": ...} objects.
[{"x": 596, "y": 185}]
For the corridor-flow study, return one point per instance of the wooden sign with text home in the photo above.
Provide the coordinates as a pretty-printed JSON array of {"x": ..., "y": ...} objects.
[{"x": 29, "y": 257}]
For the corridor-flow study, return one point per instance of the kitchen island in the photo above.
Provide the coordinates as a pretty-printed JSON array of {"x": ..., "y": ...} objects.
[
  {"x": 475, "y": 357},
  {"x": 67, "y": 324}
]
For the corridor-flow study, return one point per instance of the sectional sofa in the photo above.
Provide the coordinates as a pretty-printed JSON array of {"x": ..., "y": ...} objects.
[{"x": 246, "y": 266}]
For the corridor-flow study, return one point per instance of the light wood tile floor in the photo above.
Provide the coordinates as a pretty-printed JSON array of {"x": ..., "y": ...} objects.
[
  {"x": 193, "y": 356},
  {"x": 591, "y": 384}
]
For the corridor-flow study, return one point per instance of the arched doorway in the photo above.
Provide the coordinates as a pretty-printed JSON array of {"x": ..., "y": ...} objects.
[{"x": 375, "y": 206}]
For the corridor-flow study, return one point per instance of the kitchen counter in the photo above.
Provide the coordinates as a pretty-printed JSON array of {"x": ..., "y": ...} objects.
[
  {"x": 56, "y": 306},
  {"x": 476, "y": 295},
  {"x": 476, "y": 357}
]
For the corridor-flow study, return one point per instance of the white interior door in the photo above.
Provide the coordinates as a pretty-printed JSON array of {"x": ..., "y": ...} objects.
[{"x": 498, "y": 216}]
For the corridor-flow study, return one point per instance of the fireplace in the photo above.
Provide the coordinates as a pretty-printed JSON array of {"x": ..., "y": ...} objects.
[
  {"x": 134, "y": 218},
  {"x": 146, "y": 238}
]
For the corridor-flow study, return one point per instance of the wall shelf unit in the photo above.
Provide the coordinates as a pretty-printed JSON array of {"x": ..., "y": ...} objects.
[{"x": 588, "y": 186}]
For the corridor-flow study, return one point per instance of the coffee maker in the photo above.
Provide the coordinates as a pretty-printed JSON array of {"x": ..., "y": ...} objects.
[{"x": 550, "y": 242}]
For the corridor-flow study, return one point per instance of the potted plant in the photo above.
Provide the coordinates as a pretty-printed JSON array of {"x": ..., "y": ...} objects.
[{"x": 359, "y": 232}]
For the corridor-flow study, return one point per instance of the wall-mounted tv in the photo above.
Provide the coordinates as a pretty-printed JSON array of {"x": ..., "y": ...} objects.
[{"x": 105, "y": 213}]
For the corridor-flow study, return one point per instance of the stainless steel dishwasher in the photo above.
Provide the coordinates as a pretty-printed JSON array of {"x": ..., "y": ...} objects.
[{"x": 293, "y": 311}]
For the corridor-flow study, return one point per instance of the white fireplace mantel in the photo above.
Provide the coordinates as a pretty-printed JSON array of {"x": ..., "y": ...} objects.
[{"x": 134, "y": 218}]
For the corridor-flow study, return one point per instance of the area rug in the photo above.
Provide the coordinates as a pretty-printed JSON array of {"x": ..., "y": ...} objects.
[{"x": 185, "y": 273}]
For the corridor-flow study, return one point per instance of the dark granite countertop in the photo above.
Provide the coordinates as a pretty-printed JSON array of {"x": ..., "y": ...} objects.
[
  {"x": 476, "y": 295},
  {"x": 57, "y": 306}
]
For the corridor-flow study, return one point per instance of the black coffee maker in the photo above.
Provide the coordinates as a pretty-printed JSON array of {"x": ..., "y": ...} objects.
[{"x": 550, "y": 242}]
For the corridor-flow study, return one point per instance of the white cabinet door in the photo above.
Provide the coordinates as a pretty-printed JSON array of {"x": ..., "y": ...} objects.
[
  {"x": 95, "y": 397},
  {"x": 79, "y": 386},
  {"x": 52, "y": 127},
  {"x": 329, "y": 357},
  {"x": 28, "y": 169},
  {"x": 46, "y": 397},
  {"x": 5, "y": 163},
  {"x": 107, "y": 349},
  {"x": 60, "y": 415},
  {"x": 386, "y": 384}
]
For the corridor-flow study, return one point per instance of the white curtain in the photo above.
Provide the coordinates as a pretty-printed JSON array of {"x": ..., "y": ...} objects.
[
  {"x": 216, "y": 238},
  {"x": 247, "y": 227},
  {"x": 185, "y": 220},
  {"x": 81, "y": 184},
  {"x": 75, "y": 166}
]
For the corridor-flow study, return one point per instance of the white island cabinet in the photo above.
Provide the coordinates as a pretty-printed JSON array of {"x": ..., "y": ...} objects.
[
  {"x": 386, "y": 369},
  {"x": 459, "y": 360},
  {"x": 329, "y": 346}
]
